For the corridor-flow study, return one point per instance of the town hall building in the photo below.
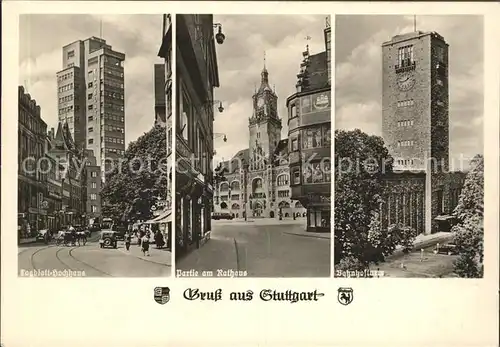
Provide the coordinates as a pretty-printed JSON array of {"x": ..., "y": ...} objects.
[{"x": 257, "y": 179}]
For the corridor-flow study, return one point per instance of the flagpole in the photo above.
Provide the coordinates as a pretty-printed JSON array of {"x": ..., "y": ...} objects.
[{"x": 414, "y": 23}]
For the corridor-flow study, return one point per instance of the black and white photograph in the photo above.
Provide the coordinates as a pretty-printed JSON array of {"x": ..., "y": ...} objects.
[
  {"x": 253, "y": 146},
  {"x": 409, "y": 165},
  {"x": 94, "y": 160}
]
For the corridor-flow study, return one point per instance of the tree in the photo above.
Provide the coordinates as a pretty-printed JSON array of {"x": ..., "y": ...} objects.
[
  {"x": 469, "y": 230},
  {"x": 133, "y": 187},
  {"x": 361, "y": 161}
]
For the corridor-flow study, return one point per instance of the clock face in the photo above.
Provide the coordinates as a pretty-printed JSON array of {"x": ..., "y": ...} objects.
[
  {"x": 406, "y": 82},
  {"x": 260, "y": 102}
]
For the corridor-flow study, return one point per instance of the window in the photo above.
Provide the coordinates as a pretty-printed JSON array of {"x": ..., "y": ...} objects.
[
  {"x": 91, "y": 141},
  {"x": 71, "y": 54},
  {"x": 311, "y": 138},
  {"x": 91, "y": 129},
  {"x": 293, "y": 112},
  {"x": 296, "y": 175},
  {"x": 405, "y": 123},
  {"x": 406, "y": 103},
  {"x": 91, "y": 107},
  {"x": 185, "y": 115},
  {"x": 93, "y": 196},
  {"x": 405, "y": 56},
  {"x": 71, "y": 65},
  {"x": 282, "y": 180},
  {"x": 89, "y": 97},
  {"x": 94, "y": 185},
  {"x": 440, "y": 54},
  {"x": 295, "y": 144},
  {"x": 91, "y": 118},
  {"x": 93, "y": 209},
  {"x": 406, "y": 143},
  {"x": 90, "y": 83}
]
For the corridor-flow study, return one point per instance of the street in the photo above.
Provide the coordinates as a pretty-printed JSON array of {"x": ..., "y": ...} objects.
[
  {"x": 94, "y": 261},
  {"x": 262, "y": 248}
]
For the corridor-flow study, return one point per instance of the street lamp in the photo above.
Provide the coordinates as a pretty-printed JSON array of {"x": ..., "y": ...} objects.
[
  {"x": 215, "y": 102},
  {"x": 217, "y": 135},
  {"x": 219, "y": 37}
]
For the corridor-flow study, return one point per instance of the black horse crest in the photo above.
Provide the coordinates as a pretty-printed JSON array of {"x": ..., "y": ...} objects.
[
  {"x": 345, "y": 296},
  {"x": 162, "y": 295}
]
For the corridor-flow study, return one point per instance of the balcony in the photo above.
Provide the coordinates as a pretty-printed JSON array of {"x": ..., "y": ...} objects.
[{"x": 407, "y": 65}]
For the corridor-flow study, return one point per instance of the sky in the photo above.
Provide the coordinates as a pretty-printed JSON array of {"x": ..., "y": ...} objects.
[
  {"x": 358, "y": 70},
  {"x": 241, "y": 59},
  {"x": 138, "y": 36}
]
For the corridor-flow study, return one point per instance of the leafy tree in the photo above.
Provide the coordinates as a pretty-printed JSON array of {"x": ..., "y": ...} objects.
[
  {"x": 361, "y": 161},
  {"x": 469, "y": 231},
  {"x": 134, "y": 185}
]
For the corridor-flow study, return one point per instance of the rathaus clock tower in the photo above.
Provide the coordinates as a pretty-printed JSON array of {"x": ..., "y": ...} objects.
[{"x": 264, "y": 125}]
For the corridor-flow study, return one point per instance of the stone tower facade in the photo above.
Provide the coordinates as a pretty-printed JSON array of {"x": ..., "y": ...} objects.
[{"x": 415, "y": 101}]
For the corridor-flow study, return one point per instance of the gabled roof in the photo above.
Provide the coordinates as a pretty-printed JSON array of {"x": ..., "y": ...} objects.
[
  {"x": 63, "y": 139},
  {"x": 316, "y": 72}
]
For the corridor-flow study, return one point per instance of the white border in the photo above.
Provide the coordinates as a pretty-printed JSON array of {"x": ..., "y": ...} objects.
[{"x": 108, "y": 312}]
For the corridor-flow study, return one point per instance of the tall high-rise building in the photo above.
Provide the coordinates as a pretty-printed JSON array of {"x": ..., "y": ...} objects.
[
  {"x": 415, "y": 128},
  {"x": 91, "y": 96},
  {"x": 415, "y": 100}
]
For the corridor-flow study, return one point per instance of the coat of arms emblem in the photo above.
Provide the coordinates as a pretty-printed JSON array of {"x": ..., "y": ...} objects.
[
  {"x": 345, "y": 296},
  {"x": 162, "y": 295}
]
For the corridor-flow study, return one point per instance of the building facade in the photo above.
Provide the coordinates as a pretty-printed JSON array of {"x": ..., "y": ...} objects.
[
  {"x": 415, "y": 128},
  {"x": 163, "y": 111},
  {"x": 92, "y": 185},
  {"x": 91, "y": 94},
  {"x": 67, "y": 175},
  {"x": 257, "y": 179},
  {"x": 197, "y": 75},
  {"x": 32, "y": 175},
  {"x": 309, "y": 137}
]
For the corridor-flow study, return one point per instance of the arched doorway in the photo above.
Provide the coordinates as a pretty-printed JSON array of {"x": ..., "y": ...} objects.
[
  {"x": 223, "y": 205},
  {"x": 271, "y": 214},
  {"x": 257, "y": 209}
]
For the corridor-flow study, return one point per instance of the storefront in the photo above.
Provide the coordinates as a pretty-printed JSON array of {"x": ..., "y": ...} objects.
[{"x": 319, "y": 213}]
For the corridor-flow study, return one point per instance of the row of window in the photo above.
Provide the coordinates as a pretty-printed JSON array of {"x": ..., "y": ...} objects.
[
  {"x": 406, "y": 143},
  {"x": 405, "y": 162},
  {"x": 314, "y": 137},
  {"x": 65, "y": 77},
  {"x": 312, "y": 173},
  {"x": 114, "y": 150},
  {"x": 64, "y": 110},
  {"x": 283, "y": 193},
  {"x": 405, "y": 56},
  {"x": 113, "y": 128},
  {"x": 109, "y": 83},
  {"x": 405, "y": 123},
  {"x": 117, "y": 96},
  {"x": 66, "y": 87},
  {"x": 93, "y": 196},
  {"x": 114, "y": 140},
  {"x": 406, "y": 103},
  {"x": 66, "y": 98},
  {"x": 111, "y": 72},
  {"x": 31, "y": 122}
]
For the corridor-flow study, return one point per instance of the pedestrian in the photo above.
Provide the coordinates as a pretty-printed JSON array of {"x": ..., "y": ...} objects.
[
  {"x": 159, "y": 239},
  {"x": 145, "y": 245},
  {"x": 141, "y": 235},
  {"x": 128, "y": 239}
]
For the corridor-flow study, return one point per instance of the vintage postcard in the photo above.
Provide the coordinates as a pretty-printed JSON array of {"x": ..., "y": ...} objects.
[
  {"x": 253, "y": 142},
  {"x": 93, "y": 155},
  {"x": 170, "y": 183}
]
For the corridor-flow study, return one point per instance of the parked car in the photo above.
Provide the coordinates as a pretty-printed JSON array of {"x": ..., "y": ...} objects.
[
  {"x": 120, "y": 231},
  {"x": 447, "y": 248},
  {"x": 222, "y": 215},
  {"x": 108, "y": 239},
  {"x": 41, "y": 235}
]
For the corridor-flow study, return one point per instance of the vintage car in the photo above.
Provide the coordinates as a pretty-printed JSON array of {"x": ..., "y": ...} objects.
[
  {"x": 108, "y": 239},
  {"x": 222, "y": 215},
  {"x": 41, "y": 236}
]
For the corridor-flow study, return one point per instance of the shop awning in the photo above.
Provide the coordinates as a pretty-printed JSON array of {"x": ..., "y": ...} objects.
[{"x": 164, "y": 217}]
